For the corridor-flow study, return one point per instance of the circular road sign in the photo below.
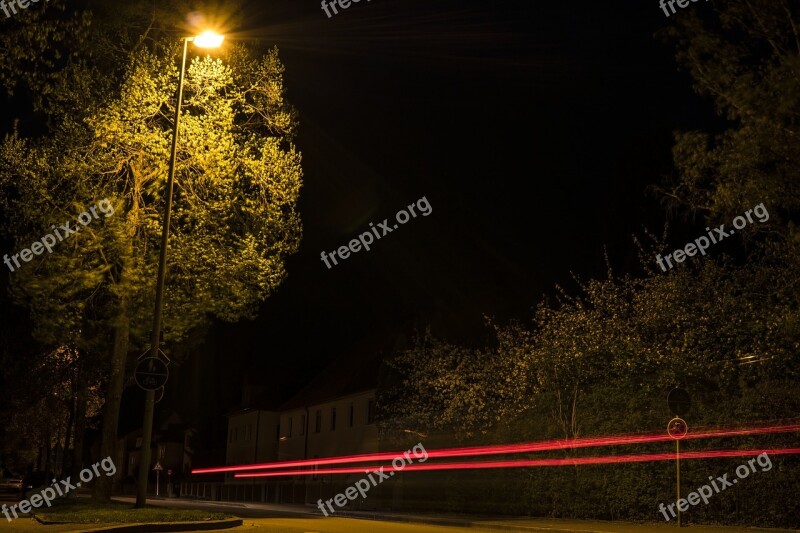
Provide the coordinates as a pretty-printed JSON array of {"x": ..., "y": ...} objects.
[
  {"x": 151, "y": 373},
  {"x": 679, "y": 401},
  {"x": 677, "y": 428}
]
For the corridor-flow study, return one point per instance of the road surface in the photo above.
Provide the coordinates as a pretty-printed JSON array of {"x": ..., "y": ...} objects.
[{"x": 274, "y": 518}]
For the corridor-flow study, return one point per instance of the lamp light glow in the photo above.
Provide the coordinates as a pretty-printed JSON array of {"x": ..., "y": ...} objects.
[{"x": 208, "y": 39}]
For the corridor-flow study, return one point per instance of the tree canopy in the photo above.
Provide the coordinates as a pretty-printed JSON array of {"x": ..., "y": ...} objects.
[{"x": 109, "y": 102}]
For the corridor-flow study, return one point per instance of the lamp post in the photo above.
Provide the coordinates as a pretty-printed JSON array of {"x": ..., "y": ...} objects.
[{"x": 206, "y": 39}]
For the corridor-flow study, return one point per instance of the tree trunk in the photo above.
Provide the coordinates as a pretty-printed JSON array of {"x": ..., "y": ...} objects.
[
  {"x": 102, "y": 487},
  {"x": 68, "y": 458},
  {"x": 58, "y": 452},
  {"x": 80, "y": 426},
  {"x": 48, "y": 456}
]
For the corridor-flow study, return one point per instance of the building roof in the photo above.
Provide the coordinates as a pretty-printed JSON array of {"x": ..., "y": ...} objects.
[
  {"x": 355, "y": 370},
  {"x": 236, "y": 411}
]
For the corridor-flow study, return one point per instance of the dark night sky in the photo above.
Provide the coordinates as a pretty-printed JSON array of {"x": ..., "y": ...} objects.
[{"x": 533, "y": 129}]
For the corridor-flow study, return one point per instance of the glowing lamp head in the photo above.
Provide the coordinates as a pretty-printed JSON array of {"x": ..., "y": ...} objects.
[{"x": 208, "y": 39}]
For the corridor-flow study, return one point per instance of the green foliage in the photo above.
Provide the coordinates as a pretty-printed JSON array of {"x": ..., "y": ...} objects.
[
  {"x": 745, "y": 57},
  {"x": 461, "y": 390},
  {"x": 602, "y": 363},
  {"x": 36, "y": 422},
  {"x": 40, "y": 48},
  {"x": 234, "y": 222}
]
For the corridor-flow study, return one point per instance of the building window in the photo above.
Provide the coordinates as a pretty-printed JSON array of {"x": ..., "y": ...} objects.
[
  {"x": 302, "y": 424},
  {"x": 138, "y": 442},
  {"x": 370, "y": 410},
  {"x": 351, "y": 415},
  {"x": 289, "y": 431},
  {"x": 318, "y": 421},
  {"x": 333, "y": 419},
  {"x": 162, "y": 451}
]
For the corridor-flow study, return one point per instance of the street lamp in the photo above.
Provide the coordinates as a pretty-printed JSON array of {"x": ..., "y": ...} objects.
[{"x": 207, "y": 39}]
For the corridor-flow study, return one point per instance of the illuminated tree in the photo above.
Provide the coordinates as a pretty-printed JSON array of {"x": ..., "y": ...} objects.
[{"x": 234, "y": 222}]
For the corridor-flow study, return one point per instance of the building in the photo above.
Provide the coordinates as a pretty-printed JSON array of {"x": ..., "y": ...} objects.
[
  {"x": 171, "y": 447},
  {"x": 333, "y": 415}
]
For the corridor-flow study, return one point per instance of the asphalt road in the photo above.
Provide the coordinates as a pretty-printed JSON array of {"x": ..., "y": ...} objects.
[
  {"x": 302, "y": 519},
  {"x": 342, "y": 525},
  {"x": 305, "y": 519}
]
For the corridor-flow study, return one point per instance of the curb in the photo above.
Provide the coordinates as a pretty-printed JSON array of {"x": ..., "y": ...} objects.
[{"x": 158, "y": 527}]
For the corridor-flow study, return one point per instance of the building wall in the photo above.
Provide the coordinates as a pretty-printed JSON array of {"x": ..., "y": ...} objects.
[
  {"x": 346, "y": 437},
  {"x": 170, "y": 455},
  {"x": 298, "y": 434},
  {"x": 294, "y": 426},
  {"x": 252, "y": 438}
]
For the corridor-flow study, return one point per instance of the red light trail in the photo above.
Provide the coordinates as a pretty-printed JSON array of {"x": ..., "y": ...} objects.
[
  {"x": 474, "y": 451},
  {"x": 523, "y": 463}
]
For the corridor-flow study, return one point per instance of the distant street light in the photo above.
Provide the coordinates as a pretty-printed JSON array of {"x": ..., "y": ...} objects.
[{"x": 207, "y": 39}]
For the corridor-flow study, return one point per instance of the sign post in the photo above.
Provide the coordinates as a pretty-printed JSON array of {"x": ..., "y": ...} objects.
[
  {"x": 677, "y": 429},
  {"x": 158, "y": 468},
  {"x": 679, "y": 403}
]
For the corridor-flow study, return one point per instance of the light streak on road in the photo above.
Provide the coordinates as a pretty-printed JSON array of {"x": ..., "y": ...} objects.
[
  {"x": 528, "y": 463},
  {"x": 474, "y": 451}
]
